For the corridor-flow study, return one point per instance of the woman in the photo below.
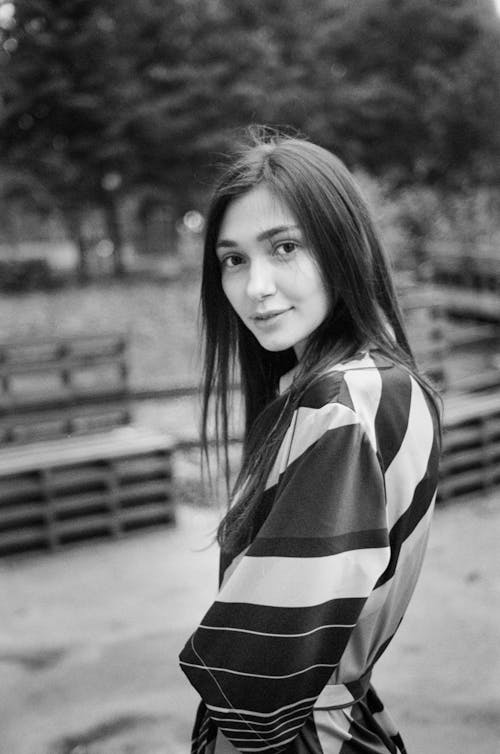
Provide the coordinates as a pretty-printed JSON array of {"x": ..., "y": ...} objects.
[{"x": 324, "y": 539}]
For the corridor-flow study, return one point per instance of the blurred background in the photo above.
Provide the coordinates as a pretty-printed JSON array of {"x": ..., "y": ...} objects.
[{"x": 114, "y": 115}]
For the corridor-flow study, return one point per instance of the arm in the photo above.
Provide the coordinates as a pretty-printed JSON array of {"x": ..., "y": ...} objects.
[{"x": 276, "y": 633}]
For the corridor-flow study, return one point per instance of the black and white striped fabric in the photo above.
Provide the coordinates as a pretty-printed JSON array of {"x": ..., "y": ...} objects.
[{"x": 283, "y": 657}]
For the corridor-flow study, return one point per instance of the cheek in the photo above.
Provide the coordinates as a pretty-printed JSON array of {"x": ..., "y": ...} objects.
[
  {"x": 313, "y": 289},
  {"x": 226, "y": 288},
  {"x": 230, "y": 289},
  {"x": 326, "y": 298},
  {"x": 321, "y": 303}
]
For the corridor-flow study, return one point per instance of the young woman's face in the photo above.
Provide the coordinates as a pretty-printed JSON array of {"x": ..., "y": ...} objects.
[{"x": 269, "y": 275}]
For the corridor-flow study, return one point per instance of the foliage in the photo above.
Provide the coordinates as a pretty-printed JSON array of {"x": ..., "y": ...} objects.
[
  {"x": 416, "y": 88},
  {"x": 160, "y": 318},
  {"x": 61, "y": 84},
  {"x": 419, "y": 223},
  {"x": 104, "y": 99},
  {"x": 20, "y": 275},
  {"x": 385, "y": 206}
]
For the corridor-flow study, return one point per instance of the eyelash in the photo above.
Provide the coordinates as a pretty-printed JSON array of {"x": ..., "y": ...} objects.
[
  {"x": 286, "y": 243},
  {"x": 224, "y": 262}
]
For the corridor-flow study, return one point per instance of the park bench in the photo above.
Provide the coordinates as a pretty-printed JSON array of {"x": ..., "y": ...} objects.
[
  {"x": 426, "y": 332},
  {"x": 473, "y": 335},
  {"x": 439, "y": 337},
  {"x": 484, "y": 382},
  {"x": 462, "y": 303},
  {"x": 470, "y": 462},
  {"x": 62, "y": 386},
  {"x": 72, "y": 466},
  {"x": 477, "y": 270}
]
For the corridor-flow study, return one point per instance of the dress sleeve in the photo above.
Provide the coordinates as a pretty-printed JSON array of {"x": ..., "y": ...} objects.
[{"x": 280, "y": 624}]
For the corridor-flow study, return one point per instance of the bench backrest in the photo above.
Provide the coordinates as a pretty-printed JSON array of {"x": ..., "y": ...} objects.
[
  {"x": 60, "y": 386},
  {"x": 426, "y": 328},
  {"x": 473, "y": 271},
  {"x": 471, "y": 445}
]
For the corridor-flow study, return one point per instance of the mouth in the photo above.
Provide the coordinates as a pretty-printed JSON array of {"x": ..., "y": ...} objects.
[{"x": 270, "y": 315}]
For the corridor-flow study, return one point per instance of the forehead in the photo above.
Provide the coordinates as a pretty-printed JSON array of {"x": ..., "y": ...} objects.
[{"x": 253, "y": 213}]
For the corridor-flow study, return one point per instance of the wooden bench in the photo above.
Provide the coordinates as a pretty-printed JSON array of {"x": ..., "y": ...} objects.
[
  {"x": 426, "y": 332},
  {"x": 471, "y": 446},
  {"x": 478, "y": 270},
  {"x": 468, "y": 304},
  {"x": 471, "y": 336},
  {"x": 440, "y": 342},
  {"x": 71, "y": 464},
  {"x": 62, "y": 386},
  {"x": 483, "y": 382}
]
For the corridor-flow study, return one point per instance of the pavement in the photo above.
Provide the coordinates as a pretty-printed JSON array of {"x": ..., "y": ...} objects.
[{"x": 89, "y": 639}]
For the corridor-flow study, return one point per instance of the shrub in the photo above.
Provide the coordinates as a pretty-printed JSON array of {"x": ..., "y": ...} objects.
[{"x": 18, "y": 275}]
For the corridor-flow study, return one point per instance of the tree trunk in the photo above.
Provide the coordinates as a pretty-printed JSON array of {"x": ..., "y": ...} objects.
[
  {"x": 113, "y": 225},
  {"x": 169, "y": 217},
  {"x": 74, "y": 224}
]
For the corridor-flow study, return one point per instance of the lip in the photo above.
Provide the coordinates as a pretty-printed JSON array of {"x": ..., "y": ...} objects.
[{"x": 268, "y": 315}]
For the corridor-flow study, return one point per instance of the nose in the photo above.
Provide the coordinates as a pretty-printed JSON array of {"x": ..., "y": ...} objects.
[{"x": 260, "y": 283}]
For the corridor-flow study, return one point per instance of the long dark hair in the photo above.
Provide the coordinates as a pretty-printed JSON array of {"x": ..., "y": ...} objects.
[{"x": 332, "y": 214}]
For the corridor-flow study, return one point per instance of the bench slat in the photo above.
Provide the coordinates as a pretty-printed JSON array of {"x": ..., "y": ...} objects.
[
  {"x": 60, "y": 374},
  {"x": 119, "y": 443},
  {"x": 68, "y": 470},
  {"x": 151, "y": 513},
  {"x": 23, "y": 538},
  {"x": 83, "y": 526},
  {"x": 21, "y": 514},
  {"x": 74, "y": 505},
  {"x": 69, "y": 364},
  {"x": 132, "y": 492},
  {"x": 472, "y": 479}
]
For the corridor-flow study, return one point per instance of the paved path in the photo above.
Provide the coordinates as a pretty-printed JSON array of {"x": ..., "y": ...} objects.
[{"x": 89, "y": 639}]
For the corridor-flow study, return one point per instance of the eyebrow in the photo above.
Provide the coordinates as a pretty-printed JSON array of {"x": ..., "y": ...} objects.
[{"x": 225, "y": 243}]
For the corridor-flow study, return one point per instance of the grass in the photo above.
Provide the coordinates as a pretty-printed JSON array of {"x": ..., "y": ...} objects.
[
  {"x": 123, "y": 609},
  {"x": 160, "y": 317}
]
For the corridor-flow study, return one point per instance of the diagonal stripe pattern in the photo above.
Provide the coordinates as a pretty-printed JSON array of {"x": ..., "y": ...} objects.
[{"x": 317, "y": 596}]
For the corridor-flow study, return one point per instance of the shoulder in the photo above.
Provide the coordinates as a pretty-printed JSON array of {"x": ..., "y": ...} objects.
[
  {"x": 377, "y": 393},
  {"x": 358, "y": 381}
]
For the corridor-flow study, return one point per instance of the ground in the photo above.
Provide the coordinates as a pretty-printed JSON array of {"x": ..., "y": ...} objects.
[{"x": 90, "y": 637}]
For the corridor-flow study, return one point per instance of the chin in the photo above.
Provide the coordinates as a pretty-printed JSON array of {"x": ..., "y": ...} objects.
[{"x": 275, "y": 346}]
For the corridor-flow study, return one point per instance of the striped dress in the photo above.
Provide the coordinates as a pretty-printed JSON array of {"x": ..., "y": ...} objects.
[{"x": 282, "y": 659}]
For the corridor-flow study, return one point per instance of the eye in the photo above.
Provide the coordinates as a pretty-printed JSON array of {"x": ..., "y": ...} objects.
[
  {"x": 231, "y": 260},
  {"x": 286, "y": 248}
]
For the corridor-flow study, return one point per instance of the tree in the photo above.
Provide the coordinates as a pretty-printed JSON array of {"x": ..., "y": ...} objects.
[
  {"x": 414, "y": 88},
  {"x": 102, "y": 99},
  {"x": 201, "y": 72},
  {"x": 61, "y": 86}
]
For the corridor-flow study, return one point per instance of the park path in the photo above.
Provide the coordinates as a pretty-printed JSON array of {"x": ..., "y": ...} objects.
[{"x": 89, "y": 640}]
